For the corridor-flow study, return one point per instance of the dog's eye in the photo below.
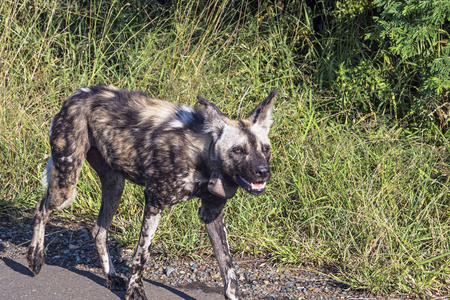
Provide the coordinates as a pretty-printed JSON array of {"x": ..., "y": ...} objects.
[
  {"x": 265, "y": 149},
  {"x": 238, "y": 150}
]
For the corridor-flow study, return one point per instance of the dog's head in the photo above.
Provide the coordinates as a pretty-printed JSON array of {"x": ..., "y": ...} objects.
[{"x": 241, "y": 150}]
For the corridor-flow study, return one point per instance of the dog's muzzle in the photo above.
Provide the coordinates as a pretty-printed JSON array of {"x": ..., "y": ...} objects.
[{"x": 254, "y": 188}]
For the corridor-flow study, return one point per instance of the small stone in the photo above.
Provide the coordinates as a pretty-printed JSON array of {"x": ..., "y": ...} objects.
[{"x": 168, "y": 270}]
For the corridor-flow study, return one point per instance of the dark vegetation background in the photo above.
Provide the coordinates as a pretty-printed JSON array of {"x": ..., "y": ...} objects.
[{"x": 361, "y": 123}]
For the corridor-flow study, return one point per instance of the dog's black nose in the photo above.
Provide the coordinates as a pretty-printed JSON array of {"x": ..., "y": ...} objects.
[{"x": 262, "y": 171}]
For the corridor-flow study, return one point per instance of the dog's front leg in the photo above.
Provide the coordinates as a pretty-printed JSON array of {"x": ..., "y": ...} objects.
[
  {"x": 152, "y": 216},
  {"x": 211, "y": 213}
]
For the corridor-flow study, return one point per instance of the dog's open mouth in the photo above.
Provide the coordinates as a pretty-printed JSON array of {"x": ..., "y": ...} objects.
[{"x": 255, "y": 188}]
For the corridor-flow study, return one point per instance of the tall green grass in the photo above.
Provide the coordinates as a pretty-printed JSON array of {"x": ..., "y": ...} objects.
[{"x": 366, "y": 197}]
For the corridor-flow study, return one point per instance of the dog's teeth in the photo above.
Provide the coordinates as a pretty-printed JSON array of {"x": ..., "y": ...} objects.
[{"x": 258, "y": 186}]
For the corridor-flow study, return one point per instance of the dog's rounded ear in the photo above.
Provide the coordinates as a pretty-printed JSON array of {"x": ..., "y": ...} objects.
[
  {"x": 215, "y": 119},
  {"x": 261, "y": 115}
]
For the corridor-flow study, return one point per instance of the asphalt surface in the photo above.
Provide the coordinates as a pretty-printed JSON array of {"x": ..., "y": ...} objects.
[{"x": 56, "y": 283}]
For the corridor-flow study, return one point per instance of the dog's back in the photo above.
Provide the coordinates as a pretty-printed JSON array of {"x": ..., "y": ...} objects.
[{"x": 127, "y": 127}]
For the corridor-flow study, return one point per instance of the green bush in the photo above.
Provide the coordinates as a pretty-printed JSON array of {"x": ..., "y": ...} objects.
[
  {"x": 413, "y": 44},
  {"x": 388, "y": 57}
]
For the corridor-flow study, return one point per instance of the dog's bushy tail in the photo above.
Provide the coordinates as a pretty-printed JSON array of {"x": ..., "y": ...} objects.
[
  {"x": 45, "y": 180},
  {"x": 47, "y": 174}
]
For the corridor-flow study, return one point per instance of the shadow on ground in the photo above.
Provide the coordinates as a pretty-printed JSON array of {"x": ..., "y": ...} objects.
[{"x": 71, "y": 248}]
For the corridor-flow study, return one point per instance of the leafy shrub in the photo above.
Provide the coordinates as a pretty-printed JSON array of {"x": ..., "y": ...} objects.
[
  {"x": 413, "y": 43},
  {"x": 387, "y": 57}
]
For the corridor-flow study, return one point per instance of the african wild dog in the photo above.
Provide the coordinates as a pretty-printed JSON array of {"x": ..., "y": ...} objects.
[{"x": 176, "y": 152}]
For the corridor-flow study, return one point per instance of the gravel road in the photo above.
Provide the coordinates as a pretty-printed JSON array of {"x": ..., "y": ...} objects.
[{"x": 71, "y": 245}]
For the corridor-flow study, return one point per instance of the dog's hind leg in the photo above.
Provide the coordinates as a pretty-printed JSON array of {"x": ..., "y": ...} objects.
[
  {"x": 211, "y": 212},
  {"x": 112, "y": 188},
  {"x": 69, "y": 143},
  {"x": 62, "y": 174},
  {"x": 152, "y": 216}
]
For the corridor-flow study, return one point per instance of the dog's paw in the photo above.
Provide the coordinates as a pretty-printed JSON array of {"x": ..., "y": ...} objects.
[
  {"x": 232, "y": 296},
  {"x": 232, "y": 292},
  {"x": 35, "y": 257},
  {"x": 135, "y": 293},
  {"x": 116, "y": 283}
]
